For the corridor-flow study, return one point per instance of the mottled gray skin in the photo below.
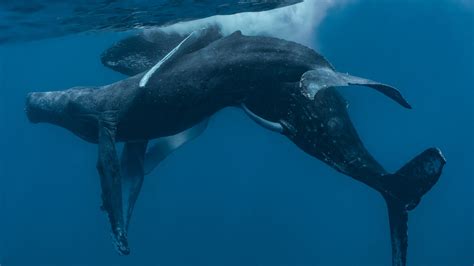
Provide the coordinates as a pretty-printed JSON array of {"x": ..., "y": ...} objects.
[{"x": 263, "y": 73}]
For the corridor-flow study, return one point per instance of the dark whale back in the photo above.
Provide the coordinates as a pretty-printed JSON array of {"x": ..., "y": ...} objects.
[
  {"x": 198, "y": 84},
  {"x": 269, "y": 56},
  {"x": 220, "y": 66},
  {"x": 138, "y": 53}
]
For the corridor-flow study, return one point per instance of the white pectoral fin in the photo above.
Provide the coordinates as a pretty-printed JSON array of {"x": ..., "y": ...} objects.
[
  {"x": 162, "y": 147},
  {"x": 195, "y": 40},
  {"x": 165, "y": 60},
  {"x": 273, "y": 126},
  {"x": 322, "y": 78},
  {"x": 176, "y": 52}
]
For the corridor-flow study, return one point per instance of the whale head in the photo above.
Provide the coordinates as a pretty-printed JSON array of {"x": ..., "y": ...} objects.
[
  {"x": 68, "y": 109},
  {"x": 47, "y": 107}
]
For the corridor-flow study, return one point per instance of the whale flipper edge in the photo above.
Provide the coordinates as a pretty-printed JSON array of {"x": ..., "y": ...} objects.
[
  {"x": 108, "y": 166},
  {"x": 322, "y": 78},
  {"x": 160, "y": 148},
  {"x": 132, "y": 167}
]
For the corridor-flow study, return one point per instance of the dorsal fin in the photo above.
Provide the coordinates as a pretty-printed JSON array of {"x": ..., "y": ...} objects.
[{"x": 322, "y": 78}]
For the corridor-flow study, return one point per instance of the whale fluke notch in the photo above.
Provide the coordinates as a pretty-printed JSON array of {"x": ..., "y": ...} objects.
[{"x": 322, "y": 78}]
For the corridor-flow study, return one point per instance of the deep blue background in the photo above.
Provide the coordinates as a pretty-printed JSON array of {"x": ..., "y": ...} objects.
[{"x": 240, "y": 195}]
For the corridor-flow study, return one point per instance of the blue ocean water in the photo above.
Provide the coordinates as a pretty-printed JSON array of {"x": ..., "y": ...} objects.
[{"x": 240, "y": 195}]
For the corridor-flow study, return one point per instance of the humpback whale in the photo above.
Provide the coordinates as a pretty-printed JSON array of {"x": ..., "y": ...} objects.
[{"x": 283, "y": 86}]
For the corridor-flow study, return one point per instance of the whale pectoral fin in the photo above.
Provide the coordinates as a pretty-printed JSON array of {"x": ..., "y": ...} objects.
[
  {"x": 389, "y": 91},
  {"x": 273, "y": 126},
  {"x": 173, "y": 54},
  {"x": 194, "y": 40},
  {"x": 162, "y": 147},
  {"x": 139, "y": 53},
  {"x": 132, "y": 166},
  {"x": 314, "y": 80},
  {"x": 108, "y": 167}
]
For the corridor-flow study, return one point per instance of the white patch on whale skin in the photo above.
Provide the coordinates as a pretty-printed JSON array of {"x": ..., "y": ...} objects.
[
  {"x": 313, "y": 81},
  {"x": 167, "y": 57}
]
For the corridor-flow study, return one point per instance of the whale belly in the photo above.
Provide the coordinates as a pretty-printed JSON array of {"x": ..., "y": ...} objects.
[{"x": 162, "y": 114}]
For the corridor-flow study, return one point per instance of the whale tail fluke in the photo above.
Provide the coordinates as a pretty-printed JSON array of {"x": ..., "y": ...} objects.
[
  {"x": 403, "y": 192},
  {"x": 415, "y": 178}
]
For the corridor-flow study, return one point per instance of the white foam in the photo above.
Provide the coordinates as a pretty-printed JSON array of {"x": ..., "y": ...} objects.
[{"x": 297, "y": 23}]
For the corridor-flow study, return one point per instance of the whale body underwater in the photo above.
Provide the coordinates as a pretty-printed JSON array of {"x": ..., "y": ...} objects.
[{"x": 283, "y": 86}]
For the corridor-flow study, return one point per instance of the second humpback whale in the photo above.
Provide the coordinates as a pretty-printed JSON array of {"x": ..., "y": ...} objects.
[{"x": 283, "y": 86}]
